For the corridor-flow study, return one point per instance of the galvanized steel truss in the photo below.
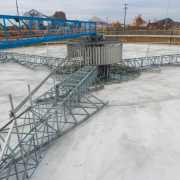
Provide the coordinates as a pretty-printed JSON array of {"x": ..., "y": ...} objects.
[
  {"x": 30, "y": 60},
  {"x": 144, "y": 63},
  {"x": 36, "y": 122}
]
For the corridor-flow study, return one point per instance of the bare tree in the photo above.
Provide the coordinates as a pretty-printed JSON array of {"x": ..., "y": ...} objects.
[{"x": 139, "y": 21}]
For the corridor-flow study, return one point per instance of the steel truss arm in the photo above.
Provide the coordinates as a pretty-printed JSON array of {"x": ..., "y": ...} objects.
[{"x": 25, "y": 138}]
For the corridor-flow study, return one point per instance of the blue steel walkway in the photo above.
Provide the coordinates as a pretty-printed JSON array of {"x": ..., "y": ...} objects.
[{"x": 16, "y": 31}]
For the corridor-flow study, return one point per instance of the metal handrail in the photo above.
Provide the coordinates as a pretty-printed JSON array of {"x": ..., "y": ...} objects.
[
  {"x": 19, "y": 106},
  {"x": 11, "y": 123},
  {"x": 151, "y": 57}
]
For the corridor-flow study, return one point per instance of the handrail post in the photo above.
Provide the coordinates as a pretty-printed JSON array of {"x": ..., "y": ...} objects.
[{"x": 12, "y": 114}]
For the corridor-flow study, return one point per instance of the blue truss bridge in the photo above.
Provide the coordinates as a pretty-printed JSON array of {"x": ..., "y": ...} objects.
[{"x": 16, "y": 31}]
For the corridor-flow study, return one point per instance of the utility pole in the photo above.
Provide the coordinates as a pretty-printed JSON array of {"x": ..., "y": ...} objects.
[
  {"x": 17, "y": 8},
  {"x": 125, "y": 14}
]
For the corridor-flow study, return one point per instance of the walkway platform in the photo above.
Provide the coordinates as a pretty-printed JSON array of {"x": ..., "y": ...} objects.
[{"x": 19, "y": 31}]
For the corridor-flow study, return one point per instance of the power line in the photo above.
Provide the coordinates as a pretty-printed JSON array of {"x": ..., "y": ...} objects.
[{"x": 125, "y": 14}]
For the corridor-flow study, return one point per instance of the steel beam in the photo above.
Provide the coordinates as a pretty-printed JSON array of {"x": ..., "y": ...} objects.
[
  {"x": 36, "y": 123},
  {"x": 33, "y": 30}
]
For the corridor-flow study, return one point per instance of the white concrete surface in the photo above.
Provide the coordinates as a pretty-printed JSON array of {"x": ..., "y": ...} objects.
[
  {"x": 14, "y": 80},
  {"x": 135, "y": 137}
]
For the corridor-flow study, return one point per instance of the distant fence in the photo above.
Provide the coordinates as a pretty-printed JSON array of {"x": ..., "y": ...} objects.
[{"x": 139, "y": 32}]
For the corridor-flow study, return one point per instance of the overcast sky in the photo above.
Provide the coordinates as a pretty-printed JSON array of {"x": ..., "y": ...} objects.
[{"x": 105, "y": 9}]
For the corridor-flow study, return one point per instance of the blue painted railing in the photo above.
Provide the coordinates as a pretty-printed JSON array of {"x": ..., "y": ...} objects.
[{"x": 16, "y": 31}]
